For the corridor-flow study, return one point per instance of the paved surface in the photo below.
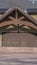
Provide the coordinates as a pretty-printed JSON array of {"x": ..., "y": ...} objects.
[{"x": 18, "y": 58}]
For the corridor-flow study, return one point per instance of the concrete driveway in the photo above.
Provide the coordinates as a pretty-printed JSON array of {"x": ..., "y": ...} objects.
[{"x": 9, "y": 58}]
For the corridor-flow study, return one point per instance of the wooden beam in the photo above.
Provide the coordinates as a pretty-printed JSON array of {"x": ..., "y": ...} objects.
[
  {"x": 16, "y": 22},
  {"x": 6, "y": 23},
  {"x": 11, "y": 18},
  {"x": 16, "y": 15},
  {"x": 21, "y": 18},
  {"x": 27, "y": 23}
]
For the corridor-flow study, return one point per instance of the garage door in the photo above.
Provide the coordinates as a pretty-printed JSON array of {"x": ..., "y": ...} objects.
[{"x": 19, "y": 40}]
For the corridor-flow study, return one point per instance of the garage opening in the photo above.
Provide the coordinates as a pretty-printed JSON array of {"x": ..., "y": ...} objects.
[{"x": 19, "y": 40}]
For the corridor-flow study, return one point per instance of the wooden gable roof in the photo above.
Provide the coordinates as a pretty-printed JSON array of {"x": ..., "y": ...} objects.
[{"x": 32, "y": 22}]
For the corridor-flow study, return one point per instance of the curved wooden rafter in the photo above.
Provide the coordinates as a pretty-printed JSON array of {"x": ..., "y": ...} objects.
[{"x": 16, "y": 22}]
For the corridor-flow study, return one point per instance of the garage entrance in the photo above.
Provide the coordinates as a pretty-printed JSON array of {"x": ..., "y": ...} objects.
[{"x": 19, "y": 40}]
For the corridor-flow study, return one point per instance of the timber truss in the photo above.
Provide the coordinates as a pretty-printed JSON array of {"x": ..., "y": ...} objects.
[{"x": 16, "y": 20}]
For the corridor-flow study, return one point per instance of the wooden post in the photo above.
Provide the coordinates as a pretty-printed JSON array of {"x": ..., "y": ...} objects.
[{"x": 16, "y": 14}]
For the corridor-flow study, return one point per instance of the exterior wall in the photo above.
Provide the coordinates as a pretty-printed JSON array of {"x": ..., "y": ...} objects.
[
  {"x": 0, "y": 40},
  {"x": 34, "y": 16}
]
